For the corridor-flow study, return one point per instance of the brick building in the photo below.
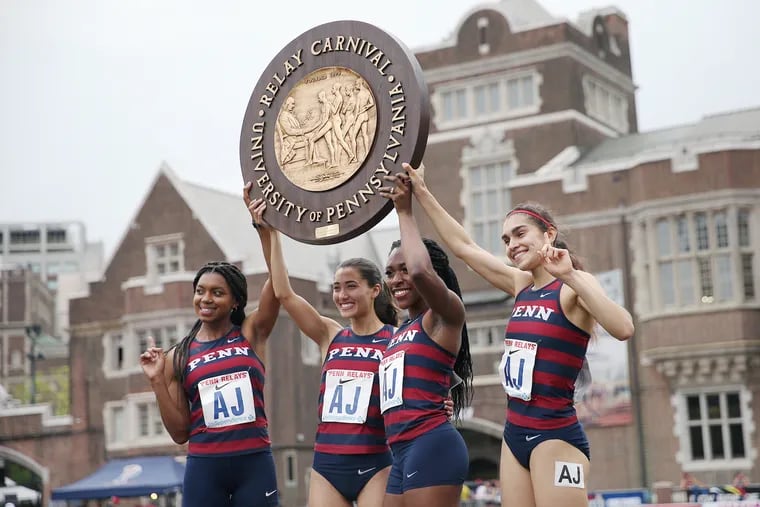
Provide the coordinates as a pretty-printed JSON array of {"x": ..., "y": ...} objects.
[
  {"x": 30, "y": 356},
  {"x": 525, "y": 106},
  {"x": 529, "y": 107},
  {"x": 147, "y": 290}
]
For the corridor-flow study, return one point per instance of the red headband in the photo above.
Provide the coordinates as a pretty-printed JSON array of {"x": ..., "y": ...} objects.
[{"x": 534, "y": 215}]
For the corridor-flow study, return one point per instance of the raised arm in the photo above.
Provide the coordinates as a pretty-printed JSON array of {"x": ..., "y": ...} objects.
[
  {"x": 259, "y": 323},
  {"x": 269, "y": 305},
  {"x": 591, "y": 297},
  {"x": 589, "y": 293},
  {"x": 493, "y": 269},
  {"x": 320, "y": 329},
  {"x": 446, "y": 306},
  {"x": 170, "y": 396}
]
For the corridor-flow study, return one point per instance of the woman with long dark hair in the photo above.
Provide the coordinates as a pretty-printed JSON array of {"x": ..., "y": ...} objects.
[
  {"x": 210, "y": 391},
  {"x": 430, "y": 459}
]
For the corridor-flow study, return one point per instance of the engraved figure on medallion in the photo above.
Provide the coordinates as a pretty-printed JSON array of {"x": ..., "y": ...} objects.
[{"x": 325, "y": 128}]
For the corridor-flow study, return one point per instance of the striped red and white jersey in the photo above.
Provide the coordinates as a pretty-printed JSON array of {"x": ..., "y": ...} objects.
[
  {"x": 543, "y": 356},
  {"x": 224, "y": 384}
]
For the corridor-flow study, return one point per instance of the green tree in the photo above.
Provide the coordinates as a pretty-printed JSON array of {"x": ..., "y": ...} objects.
[{"x": 51, "y": 387}]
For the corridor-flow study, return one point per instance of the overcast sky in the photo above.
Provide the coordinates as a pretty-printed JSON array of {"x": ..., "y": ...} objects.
[{"x": 94, "y": 94}]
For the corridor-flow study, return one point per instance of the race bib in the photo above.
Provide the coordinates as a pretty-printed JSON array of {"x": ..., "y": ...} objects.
[
  {"x": 516, "y": 368},
  {"x": 227, "y": 400},
  {"x": 347, "y": 394},
  {"x": 391, "y": 381}
]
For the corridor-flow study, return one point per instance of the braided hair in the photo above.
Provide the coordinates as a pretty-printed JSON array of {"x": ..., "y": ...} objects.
[
  {"x": 384, "y": 307},
  {"x": 462, "y": 393},
  {"x": 542, "y": 218},
  {"x": 238, "y": 287}
]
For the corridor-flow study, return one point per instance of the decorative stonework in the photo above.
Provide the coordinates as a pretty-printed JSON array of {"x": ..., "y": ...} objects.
[
  {"x": 488, "y": 146},
  {"x": 689, "y": 368},
  {"x": 325, "y": 128}
]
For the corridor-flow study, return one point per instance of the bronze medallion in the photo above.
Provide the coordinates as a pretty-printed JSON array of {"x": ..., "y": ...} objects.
[{"x": 342, "y": 105}]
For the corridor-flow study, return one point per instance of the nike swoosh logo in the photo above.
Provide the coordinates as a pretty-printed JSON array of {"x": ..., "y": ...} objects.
[
  {"x": 270, "y": 493},
  {"x": 544, "y": 294},
  {"x": 411, "y": 474},
  {"x": 362, "y": 472},
  {"x": 378, "y": 341},
  {"x": 230, "y": 340},
  {"x": 528, "y": 439},
  {"x": 513, "y": 351},
  {"x": 220, "y": 387},
  {"x": 344, "y": 380}
]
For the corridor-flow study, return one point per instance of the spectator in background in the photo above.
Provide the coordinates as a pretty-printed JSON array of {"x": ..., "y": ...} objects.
[
  {"x": 740, "y": 482},
  {"x": 481, "y": 494},
  {"x": 692, "y": 486},
  {"x": 465, "y": 495}
]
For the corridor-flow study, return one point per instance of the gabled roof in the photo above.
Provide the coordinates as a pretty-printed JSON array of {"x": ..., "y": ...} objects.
[
  {"x": 735, "y": 130},
  {"x": 221, "y": 213},
  {"x": 225, "y": 218},
  {"x": 731, "y": 127}
]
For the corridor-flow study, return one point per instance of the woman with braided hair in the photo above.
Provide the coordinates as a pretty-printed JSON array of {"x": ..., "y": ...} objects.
[
  {"x": 210, "y": 392},
  {"x": 426, "y": 352},
  {"x": 545, "y": 453}
]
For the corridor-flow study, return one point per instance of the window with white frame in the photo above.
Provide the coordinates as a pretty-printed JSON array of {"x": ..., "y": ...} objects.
[
  {"x": 116, "y": 351},
  {"x": 714, "y": 426},
  {"x": 520, "y": 92},
  {"x": 483, "y": 46},
  {"x": 134, "y": 422},
  {"x": 606, "y": 104},
  {"x": 291, "y": 469},
  {"x": 486, "y": 336},
  {"x": 117, "y": 424},
  {"x": 16, "y": 359},
  {"x": 163, "y": 336},
  {"x": 149, "y": 420},
  {"x": 455, "y": 104},
  {"x": 122, "y": 348},
  {"x": 489, "y": 200},
  {"x": 165, "y": 255},
  {"x": 704, "y": 257},
  {"x": 488, "y": 98},
  {"x": 746, "y": 253}
]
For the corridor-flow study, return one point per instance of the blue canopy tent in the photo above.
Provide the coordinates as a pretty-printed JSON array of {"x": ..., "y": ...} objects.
[{"x": 127, "y": 477}]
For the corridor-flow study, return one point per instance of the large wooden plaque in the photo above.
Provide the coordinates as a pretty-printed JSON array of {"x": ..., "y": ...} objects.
[{"x": 342, "y": 105}]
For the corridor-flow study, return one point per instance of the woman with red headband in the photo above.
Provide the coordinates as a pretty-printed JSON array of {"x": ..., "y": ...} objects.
[{"x": 545, "y": 452}]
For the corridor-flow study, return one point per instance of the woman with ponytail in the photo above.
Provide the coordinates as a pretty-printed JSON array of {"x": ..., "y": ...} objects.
[
  {"x": 545, "y": 452},
  {"x": 210, "y": 391},
  {"x": 428, "y": 351},
  {"x": 351, "y": 455}
]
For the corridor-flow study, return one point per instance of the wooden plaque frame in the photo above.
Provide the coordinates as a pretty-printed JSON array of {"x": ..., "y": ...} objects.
[{"x": 296, "y": 141}]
